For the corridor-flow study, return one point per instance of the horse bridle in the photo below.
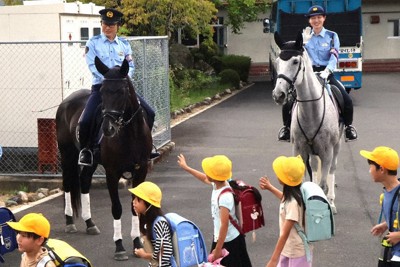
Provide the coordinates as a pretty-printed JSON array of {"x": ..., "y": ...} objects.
[
  {"x": 117, "y": 117},
  {"x": 291, "y": 90}
]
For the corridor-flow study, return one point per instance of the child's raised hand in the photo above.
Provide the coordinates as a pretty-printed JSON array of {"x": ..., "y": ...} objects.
[
  {"x": 182, "y": 161},
  {"x": 264, "y": 183}
]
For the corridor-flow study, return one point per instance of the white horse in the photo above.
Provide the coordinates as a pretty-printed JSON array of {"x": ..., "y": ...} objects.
[{"x": 315, "y": 129}]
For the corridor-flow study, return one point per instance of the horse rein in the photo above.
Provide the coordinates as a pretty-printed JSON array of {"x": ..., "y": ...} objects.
[
  {"x": 117, "y": 116},
  {"x": 310, "y": 141},
  {"x": 292, "y": 92}
]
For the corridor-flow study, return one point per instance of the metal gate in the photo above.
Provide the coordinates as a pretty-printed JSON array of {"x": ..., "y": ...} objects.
[{"x": 37, "y": 76}]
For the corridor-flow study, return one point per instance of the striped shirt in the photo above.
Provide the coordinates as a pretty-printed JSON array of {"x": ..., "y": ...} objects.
[{"x": 163, "y": 238}]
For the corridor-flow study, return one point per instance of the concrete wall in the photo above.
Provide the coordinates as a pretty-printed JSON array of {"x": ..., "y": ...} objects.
[
  {"x": 379, "y": 42},
  {"x": 251, "y": 42}
]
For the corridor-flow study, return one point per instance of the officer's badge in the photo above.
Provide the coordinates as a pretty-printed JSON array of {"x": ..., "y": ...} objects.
[
  {"x": 128, "y": 58},
  {"x": 110, "y": 14}
]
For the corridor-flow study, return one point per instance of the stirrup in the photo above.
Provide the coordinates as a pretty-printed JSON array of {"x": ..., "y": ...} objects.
[
  {"x": 84, "y": 161},
  {"x": 155, "y": 154},
  {"x": 284, "y": 134},
  {"x": 352, "y": 130}
]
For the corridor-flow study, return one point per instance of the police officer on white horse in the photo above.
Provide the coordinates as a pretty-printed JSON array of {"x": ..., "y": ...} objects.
[{"x": 322, "y": 47}]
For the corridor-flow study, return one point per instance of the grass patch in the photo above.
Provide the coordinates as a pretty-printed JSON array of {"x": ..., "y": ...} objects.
[
  {"x": 183, "y": 99},
  {"x": 192, "y": 86}
]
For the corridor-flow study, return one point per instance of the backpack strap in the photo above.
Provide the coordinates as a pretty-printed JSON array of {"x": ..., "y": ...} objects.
[
  {"x": 172, "y": 260},
  {"x": 44, "y": 261},
  {"x": 302, "y": 234},
  {"x": 397, "y": 193},
  {"x": 233, "y": 221},
  {"x": 159, "y": 218}
]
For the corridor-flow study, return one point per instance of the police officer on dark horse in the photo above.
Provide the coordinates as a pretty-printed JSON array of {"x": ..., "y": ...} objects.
[{"x": 111, "y": 50}]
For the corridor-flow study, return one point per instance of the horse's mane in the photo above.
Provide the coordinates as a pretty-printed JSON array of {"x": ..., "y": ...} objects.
[{"x": 132, "y": 91}]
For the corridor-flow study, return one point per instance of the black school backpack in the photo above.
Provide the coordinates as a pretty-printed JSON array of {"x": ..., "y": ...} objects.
[{"x": 8, "y": 237}]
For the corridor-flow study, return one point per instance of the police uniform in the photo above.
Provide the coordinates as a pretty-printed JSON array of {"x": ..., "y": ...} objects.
[
  {"x": 323, "y": 50},
  {"x": 111, "y": 53}
]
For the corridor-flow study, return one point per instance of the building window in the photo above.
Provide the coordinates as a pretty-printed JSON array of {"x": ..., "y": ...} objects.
[
  {"x": 394, "y": 27},
  {"x": 219, "y": 35},
  {"x": 84, "y": 34},
  {"x": 96, "y": 31}
]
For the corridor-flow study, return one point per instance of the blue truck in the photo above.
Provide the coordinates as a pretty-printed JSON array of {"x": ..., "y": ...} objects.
[{"x": 343, "y": 16}]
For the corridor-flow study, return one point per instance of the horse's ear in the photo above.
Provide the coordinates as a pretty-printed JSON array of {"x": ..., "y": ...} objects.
[
  {"x": 124, "y": 68},
  {"x": 299, "y": 41},
  {"x": 103, "y": 69},
  {"x": 278, "y": 40}
]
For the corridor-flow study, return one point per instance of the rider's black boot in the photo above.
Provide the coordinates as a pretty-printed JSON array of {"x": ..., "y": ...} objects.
[
  {"x": 284, "y": 134},
  {"x": 351, "y": 133},
  {"x": 154, "y": 155},
  {"x": 86, "y": 157}
]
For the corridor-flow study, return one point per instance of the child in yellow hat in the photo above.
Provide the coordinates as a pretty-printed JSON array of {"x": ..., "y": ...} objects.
[
  {"x": 33, "y": 230},
  {"x": 383, "y": 163},
  {"x": 217, "y": 171},
  {"x": 147, "y": 204},
  {"x": 289, "y": 249}
]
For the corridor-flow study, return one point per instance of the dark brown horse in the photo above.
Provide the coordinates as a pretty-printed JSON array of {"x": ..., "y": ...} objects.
[{"x": 124, "y": 149}]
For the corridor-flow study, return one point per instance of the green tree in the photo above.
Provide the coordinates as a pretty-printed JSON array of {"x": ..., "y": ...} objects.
[
  {"x": 12, "y": 2},
  {"x": 241, "y": 11},
  {"x": 164, "y": 17}
]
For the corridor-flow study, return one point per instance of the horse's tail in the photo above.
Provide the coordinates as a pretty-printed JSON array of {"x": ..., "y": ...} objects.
[{"x": 71, "y": 180}]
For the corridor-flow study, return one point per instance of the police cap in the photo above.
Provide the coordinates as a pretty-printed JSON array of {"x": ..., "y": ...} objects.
[
  {"x": 110, "y": 16},
  {"x": 315, "y": 11}
]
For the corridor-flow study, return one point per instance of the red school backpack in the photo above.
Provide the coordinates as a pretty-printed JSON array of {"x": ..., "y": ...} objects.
[{"x": 248, "y": 206}]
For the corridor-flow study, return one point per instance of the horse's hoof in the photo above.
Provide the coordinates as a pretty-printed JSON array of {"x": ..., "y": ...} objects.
[
  {"x": 120, "y": 256},
  {"x": 333, "y": 207},
  {"x": 70, "y": 228},
  {"x": 94, "y": 230}
]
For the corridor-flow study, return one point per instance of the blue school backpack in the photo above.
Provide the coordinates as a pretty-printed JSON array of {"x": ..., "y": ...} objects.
[
  {"x": 189, "y": 248},
  {"x": 318, "y": 216},
  {"x": 8, "y": 237}
]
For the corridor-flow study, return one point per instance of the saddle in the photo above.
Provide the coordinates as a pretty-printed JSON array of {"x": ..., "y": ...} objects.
[
  {"x": 336, "y": 97},
  {"x": 96, "y": 133}
]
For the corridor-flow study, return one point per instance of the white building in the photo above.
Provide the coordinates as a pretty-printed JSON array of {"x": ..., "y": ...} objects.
[
  {"x": 40, "y": 70},
  {"x": 53, "y": 20}
]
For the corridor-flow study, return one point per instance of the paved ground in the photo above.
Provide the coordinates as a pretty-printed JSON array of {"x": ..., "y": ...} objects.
[{"x": 245, "y": 128}]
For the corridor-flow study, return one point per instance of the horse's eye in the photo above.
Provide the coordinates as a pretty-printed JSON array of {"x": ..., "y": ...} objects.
[{"x": 295, "y": 62}]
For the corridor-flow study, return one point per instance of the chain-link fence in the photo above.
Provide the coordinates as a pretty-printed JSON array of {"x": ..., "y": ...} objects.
[{"x": 37, "y": 76}]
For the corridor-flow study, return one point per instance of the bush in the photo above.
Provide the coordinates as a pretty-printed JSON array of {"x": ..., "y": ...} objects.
[
  {"x": 209, "y": 49},
  {"x": 241, "y": 64},
  {"x": 230, "y": 76}
]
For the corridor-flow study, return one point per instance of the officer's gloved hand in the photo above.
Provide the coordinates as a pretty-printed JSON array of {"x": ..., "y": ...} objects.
[
  {"x": 306, "y": 35},
  {"x": 325, "y": 73}
]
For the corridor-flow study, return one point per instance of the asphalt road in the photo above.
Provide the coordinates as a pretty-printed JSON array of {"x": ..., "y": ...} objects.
[{"x": 245, "y": 129}]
